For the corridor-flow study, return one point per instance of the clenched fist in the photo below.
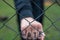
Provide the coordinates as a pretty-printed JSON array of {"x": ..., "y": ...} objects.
[{"x": 32, "y": 30}]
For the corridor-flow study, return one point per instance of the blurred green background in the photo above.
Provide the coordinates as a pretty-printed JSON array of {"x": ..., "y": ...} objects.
[{"x": 53, "y": 13}]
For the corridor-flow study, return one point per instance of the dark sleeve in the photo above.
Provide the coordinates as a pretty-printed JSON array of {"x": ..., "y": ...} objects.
[{"x": 23, "y": 8}]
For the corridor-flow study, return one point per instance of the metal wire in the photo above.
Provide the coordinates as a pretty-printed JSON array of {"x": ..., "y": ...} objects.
[{"x": 43, "y": 11}]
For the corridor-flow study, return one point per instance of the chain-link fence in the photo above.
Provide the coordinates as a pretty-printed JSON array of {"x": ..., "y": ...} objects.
[{"x": 9, "y": 29}]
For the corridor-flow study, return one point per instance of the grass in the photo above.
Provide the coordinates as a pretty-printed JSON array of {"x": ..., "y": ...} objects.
[{"x": 51, "y": 34}]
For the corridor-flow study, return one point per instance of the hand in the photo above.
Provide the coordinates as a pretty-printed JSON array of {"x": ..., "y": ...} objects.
[{"x": 32, "y": 29}]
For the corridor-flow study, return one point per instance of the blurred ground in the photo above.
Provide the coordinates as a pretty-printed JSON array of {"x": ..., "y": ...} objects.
[
  {"x": 47, "y": 3},
  {"x": 53, "y": 13}
]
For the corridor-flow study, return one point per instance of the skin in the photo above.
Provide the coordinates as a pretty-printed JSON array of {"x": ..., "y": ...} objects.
[{"x": 37, "y": 25}]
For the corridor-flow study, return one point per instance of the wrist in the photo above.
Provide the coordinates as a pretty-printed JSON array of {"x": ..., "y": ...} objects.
[{"x": 30, "y": 19}]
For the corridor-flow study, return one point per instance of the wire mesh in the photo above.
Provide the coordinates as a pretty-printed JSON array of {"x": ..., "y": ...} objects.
[{"x": 9, "y": 28}]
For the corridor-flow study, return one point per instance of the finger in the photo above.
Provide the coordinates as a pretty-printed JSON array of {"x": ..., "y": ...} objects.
[
  {"x": 29, "y": 33},
  {"x": 24, "y": 34},
  {"x": 34, "y": 34},
  {"x": 42, "y": 38},
  {"x": 29, "y": 37}
]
